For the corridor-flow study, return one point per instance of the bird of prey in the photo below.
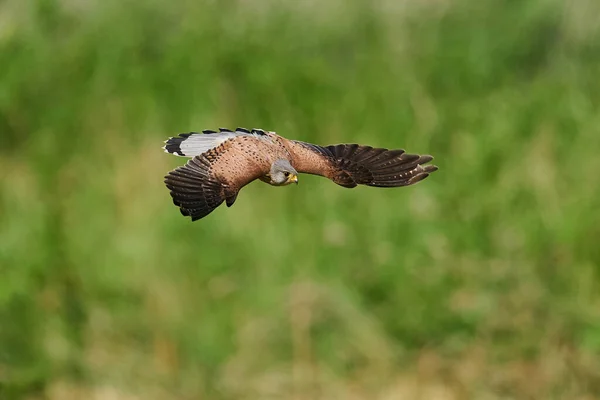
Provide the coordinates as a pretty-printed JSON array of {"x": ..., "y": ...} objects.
[{"x": 224, "y": 162}]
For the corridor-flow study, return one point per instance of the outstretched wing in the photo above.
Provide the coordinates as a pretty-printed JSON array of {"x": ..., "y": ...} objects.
[
  {"x": 350, "y": 165},
  {"x": 216, "y": 174}
]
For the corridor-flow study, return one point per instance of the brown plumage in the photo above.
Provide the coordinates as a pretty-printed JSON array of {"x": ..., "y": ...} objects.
[{"x": 224, "y": 162}]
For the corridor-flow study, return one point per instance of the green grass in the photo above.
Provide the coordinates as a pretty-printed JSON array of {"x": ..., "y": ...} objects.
[{"x": 481, "y": 282}]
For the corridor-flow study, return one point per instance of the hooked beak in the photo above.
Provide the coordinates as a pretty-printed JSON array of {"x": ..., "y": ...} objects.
[{"x": 294, "y": 179}]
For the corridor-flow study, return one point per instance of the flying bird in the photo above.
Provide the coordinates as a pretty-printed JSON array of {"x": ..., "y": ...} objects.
[{"x": 224, "y": 162}]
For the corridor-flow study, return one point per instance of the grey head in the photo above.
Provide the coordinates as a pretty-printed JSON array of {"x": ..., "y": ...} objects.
[{"x": 282, "y": 173}]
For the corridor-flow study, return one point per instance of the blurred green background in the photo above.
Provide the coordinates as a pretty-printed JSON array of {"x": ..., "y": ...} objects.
[{"x": 482, "y": 282}]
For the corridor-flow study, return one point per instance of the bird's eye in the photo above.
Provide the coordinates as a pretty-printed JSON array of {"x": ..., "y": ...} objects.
[{"x": 286, "y": 174}]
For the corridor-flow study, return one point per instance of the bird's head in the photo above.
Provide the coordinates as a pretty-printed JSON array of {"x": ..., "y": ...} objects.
[{"x": 282, "y": 173}]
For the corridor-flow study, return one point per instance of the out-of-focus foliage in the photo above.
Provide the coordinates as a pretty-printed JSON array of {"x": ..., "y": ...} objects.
[{"x": 480, "y": 282}]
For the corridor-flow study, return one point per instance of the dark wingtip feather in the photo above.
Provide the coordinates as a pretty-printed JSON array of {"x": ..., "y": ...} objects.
[
  {"x": 430, "y": 168},
  {"x": 193, "y": 189},
  {"x": 424, "y": 159},
  {"x": 417, "y": 178},
  {"x": 378, "y": 167}
]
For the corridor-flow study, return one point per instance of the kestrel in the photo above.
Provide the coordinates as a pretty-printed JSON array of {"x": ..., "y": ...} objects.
[{"x": 224, "y": 162}]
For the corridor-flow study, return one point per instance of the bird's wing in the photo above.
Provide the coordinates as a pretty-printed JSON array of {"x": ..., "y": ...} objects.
[
  {"x": 217, "y": 174},
  {"x": 350, "y": 165}
]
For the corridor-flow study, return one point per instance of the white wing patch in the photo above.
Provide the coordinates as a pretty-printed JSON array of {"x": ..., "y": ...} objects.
[{"x": 193, "y": 144}]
